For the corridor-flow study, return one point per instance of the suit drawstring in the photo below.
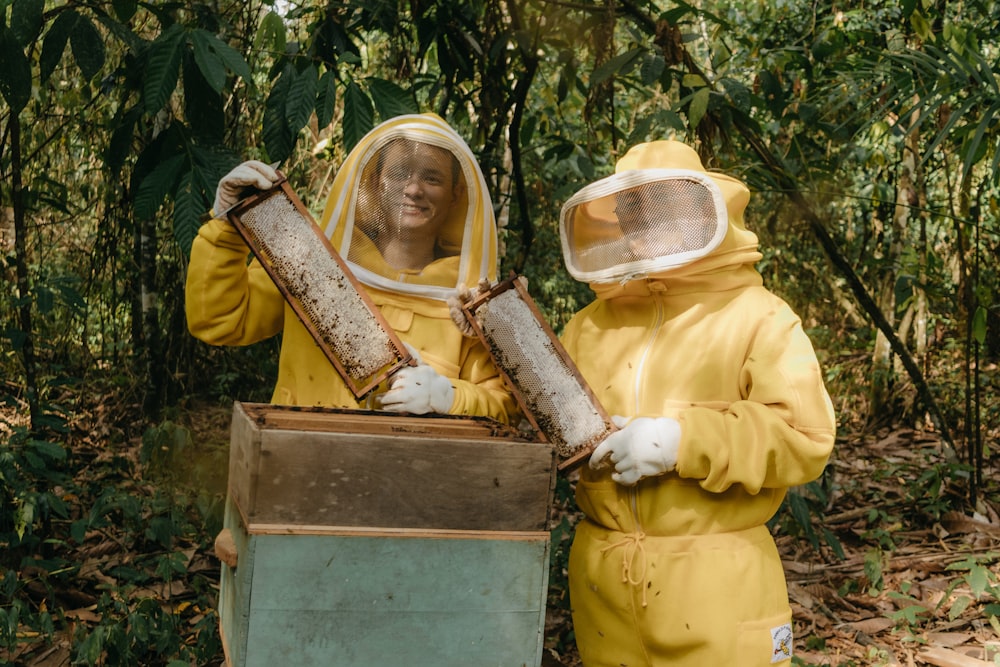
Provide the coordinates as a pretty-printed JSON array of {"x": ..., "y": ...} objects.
[{"x": 632, "y": 545}]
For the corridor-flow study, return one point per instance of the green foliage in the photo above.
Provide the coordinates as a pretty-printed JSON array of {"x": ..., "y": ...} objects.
[
  {"x": 15, "y": 75},
  {"x": 52, "y": 525},
  {"x": 983, "y": 588},
  {"x": 558, "y": 601},
  {"x": 128, "y": 114},
  {"x": 977, "y": 586},
  {"x": 873, "y": 570},
  {"x": 801, "y": 515},
  {"x": 26, "y": 20},
  {"x": 86, "y": 44},
  {"x": 30, "y": 467},
  {"x": 358, "y": 115},
  {"x": 142, "y": 633}
]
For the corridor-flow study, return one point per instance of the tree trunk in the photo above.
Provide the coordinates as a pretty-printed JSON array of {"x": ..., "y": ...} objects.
[
  {"x": 880, "y": 386},
  {"x": 914, "y": 200},
  {"x": 885, "y": 368},
  {"x": 152, "y": 352},
  {"x": 24, "y": 293}
]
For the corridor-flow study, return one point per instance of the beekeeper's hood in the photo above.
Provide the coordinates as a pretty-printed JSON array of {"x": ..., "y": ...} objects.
[
  {"x": 661, "y": 214},
  {"x": 399, "y": 181}
]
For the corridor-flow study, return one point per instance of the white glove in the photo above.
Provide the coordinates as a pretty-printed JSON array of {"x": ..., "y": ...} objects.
[
  {"x": 418, "y": 390},
  {"x": 232, "y": 186},
  {"x": 644, "y": 447},
  {"x": 463, "y": 296}
]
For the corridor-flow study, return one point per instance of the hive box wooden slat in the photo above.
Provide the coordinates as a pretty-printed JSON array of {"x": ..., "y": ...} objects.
[{"x": 367, "y": 539}]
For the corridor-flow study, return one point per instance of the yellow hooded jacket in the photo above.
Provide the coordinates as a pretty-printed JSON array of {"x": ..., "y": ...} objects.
[
  {"x": 231, "y": 302},
  {"x": 680, "y": 569}
]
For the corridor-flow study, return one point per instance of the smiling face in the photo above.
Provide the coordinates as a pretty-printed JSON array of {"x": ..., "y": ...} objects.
[{"x": 417, "y": 184}]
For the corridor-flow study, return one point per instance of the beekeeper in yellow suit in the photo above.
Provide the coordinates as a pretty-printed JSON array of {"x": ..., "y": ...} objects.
[
  {"x": 410, "y": 213},
  {"x": 721, "y": 408}
]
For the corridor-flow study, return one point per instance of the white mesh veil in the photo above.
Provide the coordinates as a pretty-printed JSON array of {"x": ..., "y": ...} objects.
[
  {"x": 641, "y": 222},
  {"x": 410, "y": 212}
]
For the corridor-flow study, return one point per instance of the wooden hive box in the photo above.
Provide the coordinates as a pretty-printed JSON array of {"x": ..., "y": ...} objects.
[{"x": 377, "y": 540}]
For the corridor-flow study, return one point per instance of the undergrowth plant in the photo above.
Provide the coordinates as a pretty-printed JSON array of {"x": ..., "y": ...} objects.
[
  {"x": 105, "y": 526},
  {"x": 975, "y": 590},
  {"x": 564, "y": 521},
  {"x": 801, "y": 515}
]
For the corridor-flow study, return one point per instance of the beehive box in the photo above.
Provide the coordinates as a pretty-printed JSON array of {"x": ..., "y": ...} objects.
[{"x": 369, "y": 539}]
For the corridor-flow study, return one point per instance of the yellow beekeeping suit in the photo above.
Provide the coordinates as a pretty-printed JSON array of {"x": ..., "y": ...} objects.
[
  {"x": 231, "y": 302},
  {"x": 680, "y": 569}
]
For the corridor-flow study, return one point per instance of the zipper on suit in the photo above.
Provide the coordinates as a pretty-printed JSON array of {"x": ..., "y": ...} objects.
[{"x": 654, "y": 331}]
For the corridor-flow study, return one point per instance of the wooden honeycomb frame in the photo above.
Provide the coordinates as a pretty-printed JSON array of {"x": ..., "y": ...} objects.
[
  {"x": 549, "y": 382},
  {"x": 334, "y": 307}
]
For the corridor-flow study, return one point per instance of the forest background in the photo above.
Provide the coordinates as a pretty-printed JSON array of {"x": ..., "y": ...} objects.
[{"x": 869, "y": 132}]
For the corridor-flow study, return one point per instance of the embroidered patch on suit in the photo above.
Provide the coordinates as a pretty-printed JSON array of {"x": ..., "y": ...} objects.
[{"x": 781, "y": 643}]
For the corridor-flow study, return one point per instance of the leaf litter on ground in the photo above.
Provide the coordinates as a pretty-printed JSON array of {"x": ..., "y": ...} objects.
[{"x": 917, "y": 583}]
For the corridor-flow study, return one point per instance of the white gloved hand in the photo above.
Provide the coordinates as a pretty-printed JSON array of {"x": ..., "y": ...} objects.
[
  {"x": 644, "y": 447},
  {"x": 463, "y": 296},
  {"x": 232, "y": 186},
  {"x": 418, "y": 389}
]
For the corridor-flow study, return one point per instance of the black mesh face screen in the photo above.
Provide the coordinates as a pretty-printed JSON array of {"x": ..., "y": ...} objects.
[
  {"x": 660, "y": 223},
  {"x": 665, "y": 217}
]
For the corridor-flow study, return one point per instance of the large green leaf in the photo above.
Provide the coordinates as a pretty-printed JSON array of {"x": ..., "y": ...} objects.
[
  {"x": 278, "y": 138},
  {"x": 187, "y": 212},
  {"x": 124, "y": 9},
  {"x": 209, "y": 165},
  {"x": 620, "y": 64},
  {"x": 271, "y": 34},
  {"x": 652, "y": 68},
  {"x": 26, "y": 20},
  {"x": 55, "y": 42},
  {"x": 156, "y": 185},
  {"x": 233, "y": 59},
  {"x": 88, "y": 47},
  {"x": 163, "y": 63},
  {"x": 326, "y": 97},
  {"x": 300, "y": 101},
  {"x": 15, "y": 73},
  {"x": 131, "y": 41},
  {"x": 979, "y": 325},
  {"x": 359, "y": 117},
  {"x": 390, "y": 100},
  {"x": 203, "y": 105},
  {"x": 122, "y": 134},
  {"x": 208, "y": 61},
  {"x": 215, "y": 58},
  {"x": 698, "y": 106}
]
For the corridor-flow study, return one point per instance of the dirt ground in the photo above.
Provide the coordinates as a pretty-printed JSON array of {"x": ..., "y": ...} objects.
[
  {"x": 913, "y": 583},
  {"x": 916, "y": 583}
]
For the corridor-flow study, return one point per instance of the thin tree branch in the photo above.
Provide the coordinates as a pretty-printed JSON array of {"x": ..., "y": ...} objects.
[
  {"x": 790, "y": 188},
  {"x": 517, "y": 173},
  {"x": 788, "y": 184}
]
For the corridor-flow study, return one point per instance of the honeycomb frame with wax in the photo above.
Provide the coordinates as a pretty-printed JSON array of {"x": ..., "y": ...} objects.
[
  {"x": 319, "y": 287},
  {"x": 547, "y": 385}
]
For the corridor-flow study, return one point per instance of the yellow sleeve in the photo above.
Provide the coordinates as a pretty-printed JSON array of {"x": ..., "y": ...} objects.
[
  {"x": 227, "y": 300},
  {"x": 479, "y": 389},
  {"x": 781, "y": 434}
]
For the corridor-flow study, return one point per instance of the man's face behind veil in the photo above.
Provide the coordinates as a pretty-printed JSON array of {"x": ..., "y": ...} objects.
[{"x": 417, "y": 187}]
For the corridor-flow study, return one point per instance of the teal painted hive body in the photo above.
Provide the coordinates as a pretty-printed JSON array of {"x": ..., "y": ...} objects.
[{"x": 372, "y": 540}]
